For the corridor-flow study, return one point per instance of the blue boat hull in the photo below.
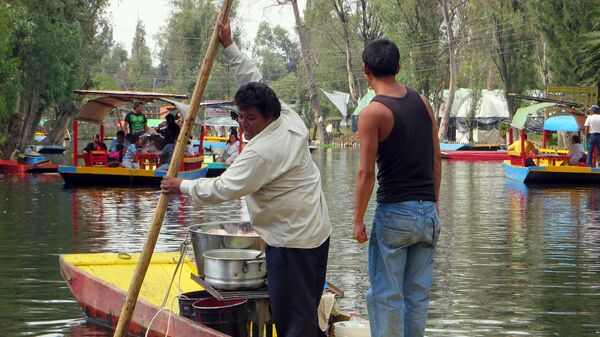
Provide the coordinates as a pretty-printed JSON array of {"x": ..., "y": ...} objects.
[{"x": 553, "y": 175}]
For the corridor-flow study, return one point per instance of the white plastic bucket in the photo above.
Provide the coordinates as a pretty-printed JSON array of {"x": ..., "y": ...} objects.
[{"x": 353, "y": 328}]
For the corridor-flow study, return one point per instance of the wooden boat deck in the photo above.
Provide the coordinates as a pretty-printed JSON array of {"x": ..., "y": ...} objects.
[{"x": 100, "y": 282}]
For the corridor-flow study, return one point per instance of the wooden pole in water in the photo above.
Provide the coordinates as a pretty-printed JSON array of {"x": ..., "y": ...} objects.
[{"x": 161, "y": 208}]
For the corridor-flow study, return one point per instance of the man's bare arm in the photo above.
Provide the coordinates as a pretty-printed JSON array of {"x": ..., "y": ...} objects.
[
  {"x": 368, "y": 133},
  {"x": 437, "y": 153}
]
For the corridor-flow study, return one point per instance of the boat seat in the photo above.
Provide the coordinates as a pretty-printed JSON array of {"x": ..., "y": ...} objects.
[
  {"x": 98, "y": 158},
  {"x": 192, "y": 162}
]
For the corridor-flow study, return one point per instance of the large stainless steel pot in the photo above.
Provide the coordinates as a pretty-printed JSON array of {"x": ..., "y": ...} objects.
[
  {"x": 235, "y": 269},
  {"x": 216, "y": 235}
]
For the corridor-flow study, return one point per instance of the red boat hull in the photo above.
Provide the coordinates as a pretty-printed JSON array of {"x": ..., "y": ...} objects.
[
  {"x": 102, "y": 303},
  {"x": 476, "y": 155},
  {"x": 13, "y": 167}
]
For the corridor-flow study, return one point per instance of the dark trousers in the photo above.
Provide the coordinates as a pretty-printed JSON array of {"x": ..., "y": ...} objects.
[
  {"x": 593, "y": 142},
  {"x": 295, "y": 281}
]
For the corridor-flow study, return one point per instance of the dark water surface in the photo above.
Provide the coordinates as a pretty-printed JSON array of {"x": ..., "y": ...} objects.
[{"x": 511, "y": 261}]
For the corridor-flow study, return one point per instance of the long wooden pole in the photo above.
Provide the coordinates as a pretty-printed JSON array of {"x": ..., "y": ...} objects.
[{"x": 161, "y": 208}]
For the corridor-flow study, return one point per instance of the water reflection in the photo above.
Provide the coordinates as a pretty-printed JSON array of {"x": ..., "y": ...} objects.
[{"x": 511, "y": 260}]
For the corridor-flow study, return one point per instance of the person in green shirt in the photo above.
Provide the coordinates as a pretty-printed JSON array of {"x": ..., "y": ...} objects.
[{"x": 136, "y": 120}]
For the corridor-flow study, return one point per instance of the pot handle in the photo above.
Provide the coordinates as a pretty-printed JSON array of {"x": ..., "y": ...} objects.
[{"x": 246, "y": 263}]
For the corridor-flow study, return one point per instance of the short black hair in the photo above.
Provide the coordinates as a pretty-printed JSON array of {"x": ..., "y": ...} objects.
[
  {"x": 170, "y": 116},
  {"x": 121, "y": 133},
  {"x": 576, "y": 139},
  {"x": 136, "y": 104},
  {"x": 258, "y": 95},
  {"x": 382, "y": 57}
]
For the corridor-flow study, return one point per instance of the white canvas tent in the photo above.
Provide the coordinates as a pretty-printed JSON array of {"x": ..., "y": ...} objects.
[{"x": 491, "y": 111}]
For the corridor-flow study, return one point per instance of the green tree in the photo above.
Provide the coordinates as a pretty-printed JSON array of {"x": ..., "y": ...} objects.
[
  {"x": 588, "y": 54},
  {"x": 112, "y": 73},
  {"x": 55, "y": 42},
  {"x": 183, "y": 43},
  {"x": 513, "y": 52},
  {"x": 9, "y": 69},
  {"x": 275, "y": 53},
  {"x": 140, "y": 64},
  {"x": 561, "y": 22}
]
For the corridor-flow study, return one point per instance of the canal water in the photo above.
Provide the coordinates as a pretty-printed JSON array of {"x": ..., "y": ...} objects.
[{"x": 511, "y": 261}]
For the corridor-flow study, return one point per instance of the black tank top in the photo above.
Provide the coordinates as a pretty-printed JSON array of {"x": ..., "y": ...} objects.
[{"x": 405, "y": 157}]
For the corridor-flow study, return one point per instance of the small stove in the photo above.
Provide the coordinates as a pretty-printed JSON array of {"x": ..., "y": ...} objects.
[{"x": 259, "y": 312}]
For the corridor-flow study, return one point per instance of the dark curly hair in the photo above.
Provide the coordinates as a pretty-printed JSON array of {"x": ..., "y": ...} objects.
[
  {"x": 382, "y": 57},
  {"x": 260, "y": 96}
]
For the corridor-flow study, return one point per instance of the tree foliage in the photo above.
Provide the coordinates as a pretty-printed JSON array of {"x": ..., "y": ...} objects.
[
  {"x": 561, "y": 22},
  {"x": 275, "y": 53},
  {"x": 55, "y": 42},
  {"x": 140, "y": 64}
]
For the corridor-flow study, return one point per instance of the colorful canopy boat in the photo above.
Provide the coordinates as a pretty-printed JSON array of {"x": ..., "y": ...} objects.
[
  {"x": 550, "y": 167},
  {"x": 96, "y": 170},
  {"x": 99, "y": 283}
]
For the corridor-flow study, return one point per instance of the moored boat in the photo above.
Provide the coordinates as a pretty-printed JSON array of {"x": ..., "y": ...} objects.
[
  {"x": 97, "y": 169},
  {"x": 499, "y": 155},
  {"x": 473, "y": 152},
  {"x": 100, "y": 282},
  {"x": 27, "y": 164},
  {"x": 49, "y": 149}
]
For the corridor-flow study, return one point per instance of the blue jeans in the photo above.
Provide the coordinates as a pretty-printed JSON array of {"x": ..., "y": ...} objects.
[
  {"x": 401, "y": 250},
  {"x": 593, "y": 142}
]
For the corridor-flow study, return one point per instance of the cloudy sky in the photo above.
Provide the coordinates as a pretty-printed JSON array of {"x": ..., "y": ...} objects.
[{"x": 154, "y": 14}]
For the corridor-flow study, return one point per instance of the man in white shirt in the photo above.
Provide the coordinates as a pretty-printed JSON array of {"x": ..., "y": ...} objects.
[
  {"x": 592, "y": 133},
  {"x": 283, "y": 192}
]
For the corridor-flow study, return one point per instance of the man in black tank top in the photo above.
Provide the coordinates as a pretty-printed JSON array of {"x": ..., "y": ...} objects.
[{"x": 397, "y": 130}]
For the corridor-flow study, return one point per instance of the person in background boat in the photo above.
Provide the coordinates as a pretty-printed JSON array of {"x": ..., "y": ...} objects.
[
  {"x": 576, "y": 151},
  {"x": 592, "y": 134},
  {"x": 282, "y": 185},
  {"x": 99, "y": 144},
  {"x": 136, "y": 120},
  {"x": 148, "y": 145},
  {"x": 529, "y": 148},
  {"x": 120, "y": 140},
  {"x": 135, "y": 143},
  {"x": 189, "y": 151},
  {"x": 189, "y": 148},
  {"x": 232, "y": 150},
  {"x": 398, "y": 131},
  {"x": 116, "y": 158},
  {"x": 170, "y": 132}
]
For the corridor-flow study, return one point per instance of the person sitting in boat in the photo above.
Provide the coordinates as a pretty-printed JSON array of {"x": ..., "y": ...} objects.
[
  {"x": 516, "y": 146},
  {"x": 116, "y": 158},
  {"x": 232, "y": 150},
  {"x": 133, "y": 148},
  {"x": 170, "y": 132},
  {"x": 576, "y": 152},
  {"x": 529, "y": 148},
  {"x": 99, "y": 144},
  {"x": 148, "y": 146},
  {"x": 120, "y": 140},
  {"x": 188, "y": 151}
]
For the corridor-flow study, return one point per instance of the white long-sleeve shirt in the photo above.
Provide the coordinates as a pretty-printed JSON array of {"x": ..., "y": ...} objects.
[{"x": 277, "y": 175}]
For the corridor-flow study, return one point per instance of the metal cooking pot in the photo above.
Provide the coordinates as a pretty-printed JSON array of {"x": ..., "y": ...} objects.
[
  {"x": 235, "y": 269},
  {"x": 216, "y": 235}
]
